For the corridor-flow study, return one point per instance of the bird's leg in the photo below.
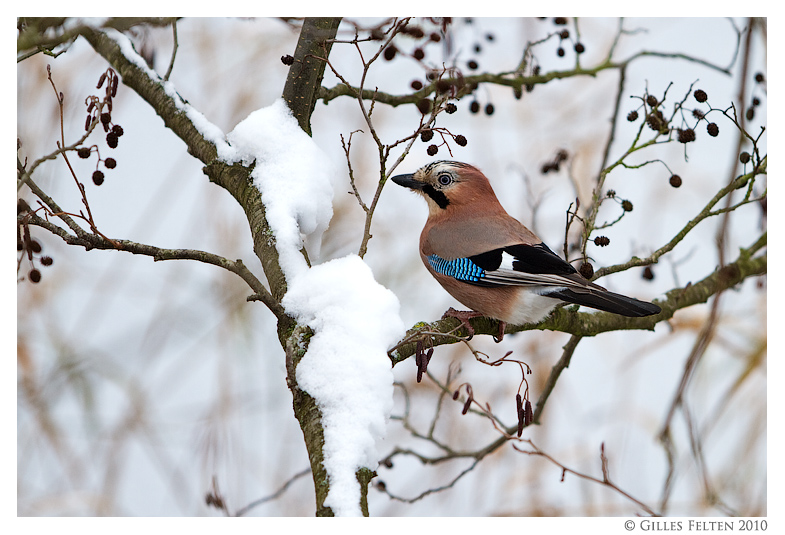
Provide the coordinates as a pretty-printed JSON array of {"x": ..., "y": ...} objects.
[{"x": 463, "y": 316}]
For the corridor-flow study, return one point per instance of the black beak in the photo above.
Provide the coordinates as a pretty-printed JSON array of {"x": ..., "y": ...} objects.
[{"x": 407, "y": 181}]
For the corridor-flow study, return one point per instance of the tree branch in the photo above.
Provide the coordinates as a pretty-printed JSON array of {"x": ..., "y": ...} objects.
[
  {"x": 740, "y": 182},
  {"x": 94, "y": 241},
  {"x": 514, "y": 79},
  {"x": 177, "y": 116},
  {"x": 305, "y": 75},
  {"x": 566, "y": 319},
  {"x": 161, "y": 96},
  {"x": 45, "y": 33},
  {"x": 302, "y": 85}
]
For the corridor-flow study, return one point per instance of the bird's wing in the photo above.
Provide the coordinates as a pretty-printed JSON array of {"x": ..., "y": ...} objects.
[
  {"x": 452, "y": 237},
  {"x": 517, "y": 265},
  {"x": 542, "y": 271}
]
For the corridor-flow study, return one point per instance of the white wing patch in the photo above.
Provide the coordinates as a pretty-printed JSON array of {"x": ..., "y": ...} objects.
[{"x": 507, "y": 260}]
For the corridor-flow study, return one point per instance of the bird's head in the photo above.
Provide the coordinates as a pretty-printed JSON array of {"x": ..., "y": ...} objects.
[{"x": 449, "y": 185}]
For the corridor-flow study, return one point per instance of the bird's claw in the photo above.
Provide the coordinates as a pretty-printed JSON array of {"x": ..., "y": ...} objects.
[
  {"x": 502, "y": 326},
  {"x": 463, "y": 316}
]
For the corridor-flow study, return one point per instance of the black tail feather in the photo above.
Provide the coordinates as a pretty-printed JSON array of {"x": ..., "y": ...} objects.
[{"x": 608, "y": 302}]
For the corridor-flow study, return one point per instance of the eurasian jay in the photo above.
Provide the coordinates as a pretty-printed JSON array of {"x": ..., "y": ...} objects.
[{"x": 489, "y": 261}]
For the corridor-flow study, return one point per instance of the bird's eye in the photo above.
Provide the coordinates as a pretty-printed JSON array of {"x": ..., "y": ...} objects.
[{"x": 445, "y": 179}]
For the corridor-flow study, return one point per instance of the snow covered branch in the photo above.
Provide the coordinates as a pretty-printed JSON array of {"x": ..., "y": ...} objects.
[
  {"x": 205, "y": 141},
  {"x": 45, "y": 34},
  {"x": 336, "y": 354}
]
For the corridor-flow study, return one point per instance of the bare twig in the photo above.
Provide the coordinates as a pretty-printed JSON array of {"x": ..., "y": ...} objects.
[
  {"x": 435, "y": 489},
  {"x": 93, "y": 241},
  {"x": 449, "y": 454},
  {"x": 550, "y": 383},
  {"x": 706, "y": 212},
  {"x": 709, "y": 328},
  {"x": 514, "y": 78},
  {"x": 174, "y": 51},
  {"x": 61, "y": 144},
  {"x": 275, "y": 495},
  {"x": 605, "y": 481},
  {"x": 383, "y": 149}
]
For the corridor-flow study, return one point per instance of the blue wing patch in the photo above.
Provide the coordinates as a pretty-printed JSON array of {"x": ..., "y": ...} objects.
[{"x": 462, "y": 269}]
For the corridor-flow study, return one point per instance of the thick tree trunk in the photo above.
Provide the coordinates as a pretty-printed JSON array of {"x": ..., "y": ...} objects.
[{"x": 302, "y": 86}]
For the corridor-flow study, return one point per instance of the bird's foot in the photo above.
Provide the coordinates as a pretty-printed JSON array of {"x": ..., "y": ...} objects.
[{"x": 465, "y": 315}]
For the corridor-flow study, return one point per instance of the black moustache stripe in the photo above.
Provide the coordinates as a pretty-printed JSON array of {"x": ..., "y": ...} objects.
[{"x": 437, "y": 196}]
